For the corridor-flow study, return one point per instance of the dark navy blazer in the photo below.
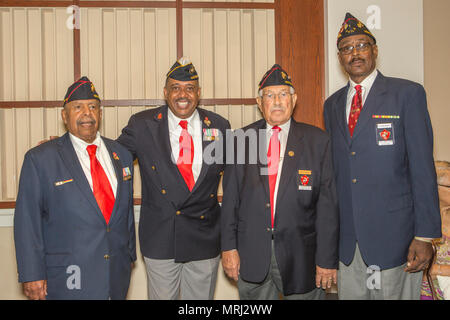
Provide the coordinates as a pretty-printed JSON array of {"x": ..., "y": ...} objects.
[
  {"x": 175, "y": 223},
  {"x": 385, "y": 174},
  {"x": 306, "y": 226},
  {"x": 60, "y": 232}
]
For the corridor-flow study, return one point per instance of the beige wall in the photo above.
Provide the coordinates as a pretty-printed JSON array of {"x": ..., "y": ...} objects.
[{"x": 437, "y": 71}]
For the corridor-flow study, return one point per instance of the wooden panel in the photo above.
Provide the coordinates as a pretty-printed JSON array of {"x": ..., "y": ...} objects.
[{"x": 300, "y": 50}]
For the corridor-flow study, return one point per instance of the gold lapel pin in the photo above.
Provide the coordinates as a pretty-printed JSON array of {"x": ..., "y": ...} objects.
[
  {"x": 207, "y": 122},
  {"x": 291, "y": 153}
]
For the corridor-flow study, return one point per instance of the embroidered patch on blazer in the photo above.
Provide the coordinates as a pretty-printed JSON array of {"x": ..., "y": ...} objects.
[
  {"x": 385, "y": 134},
  {"x": 126, "y": 174},
  {"x": 60, "y": 183}
]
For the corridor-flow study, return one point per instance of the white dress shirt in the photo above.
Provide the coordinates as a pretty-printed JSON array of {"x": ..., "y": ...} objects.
[
  {"x": 194, "y": 128},
  {"x": 283, "y": 137},
  {"x": 366, "y": 85},
  {"x": 102, "y": 155}
]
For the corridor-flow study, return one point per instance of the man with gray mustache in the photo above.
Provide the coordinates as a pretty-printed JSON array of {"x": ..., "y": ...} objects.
[{"x": 279, "y": 215}]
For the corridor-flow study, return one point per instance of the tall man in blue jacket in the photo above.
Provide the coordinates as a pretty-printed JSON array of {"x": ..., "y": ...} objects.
[
  {"x": 382, "y": 143},
  {"x": 73, "y": 224}
]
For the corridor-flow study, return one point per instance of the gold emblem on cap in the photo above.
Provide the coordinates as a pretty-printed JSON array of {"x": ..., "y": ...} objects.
[
  {"x": 192, "y": 69},
  {"x": 291, "y": 153},
  {"x": 283, "y": 75}
]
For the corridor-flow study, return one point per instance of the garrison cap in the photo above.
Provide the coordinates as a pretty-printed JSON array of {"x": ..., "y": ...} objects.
[{"x": 83, "y": 89}]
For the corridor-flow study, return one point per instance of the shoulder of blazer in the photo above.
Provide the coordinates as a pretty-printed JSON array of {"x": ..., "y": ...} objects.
[
  {"x": 255, "y": 125},
  {"x": 335, "y": 96},
  {"x": 310, "y": 131},
  {"x": 150, "y": 113},
  {"x": 401, "y": 84},
  {"x": 48, "y": 147}
]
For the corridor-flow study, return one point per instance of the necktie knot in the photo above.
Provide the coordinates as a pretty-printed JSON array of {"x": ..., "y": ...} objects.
[
  {"x": 183, "y": 124},
  {"x": 276, "y": 129},
  {"x": 358, "y": 88},
  {"x": 91, "y": 149}
]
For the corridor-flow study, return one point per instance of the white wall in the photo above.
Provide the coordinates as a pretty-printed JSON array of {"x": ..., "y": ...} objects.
[{"x": 396, "y": 24}]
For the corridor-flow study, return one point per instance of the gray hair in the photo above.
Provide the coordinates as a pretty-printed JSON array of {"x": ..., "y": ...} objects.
[{"x": 291, "y": 91}]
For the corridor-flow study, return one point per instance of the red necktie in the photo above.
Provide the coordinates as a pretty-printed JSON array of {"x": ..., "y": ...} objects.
[
  {"x": 355, "y": 110},
  {"x": 186, "y": 156},
  {"x": 103, "y": 192},
  {"x": 273, "y": 157}
]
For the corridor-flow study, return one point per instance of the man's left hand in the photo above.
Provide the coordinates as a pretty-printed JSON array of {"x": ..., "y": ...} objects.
[
  {"x": 325, "y": 277},
  {"x": 419, "y": 256}
]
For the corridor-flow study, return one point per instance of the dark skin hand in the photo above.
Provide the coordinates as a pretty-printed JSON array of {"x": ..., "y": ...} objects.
[
  {"x": 419, "y": 256},
  {"x": 35, "y": 290}
]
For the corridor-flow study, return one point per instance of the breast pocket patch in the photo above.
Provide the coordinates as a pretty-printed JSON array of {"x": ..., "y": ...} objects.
[
  {"x": 304, "y": 180},
  {"x": 385, "y": 134}
]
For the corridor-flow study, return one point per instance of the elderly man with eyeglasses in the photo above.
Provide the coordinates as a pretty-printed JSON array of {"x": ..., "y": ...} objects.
[
  {"x": 279, "y": 214},
  {"x": 382, "y": 143}
]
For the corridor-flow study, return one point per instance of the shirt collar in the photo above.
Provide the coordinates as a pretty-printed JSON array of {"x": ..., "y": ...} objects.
[
  {"x": 284, "y": 127},
  {"x": 175, "y": 120},
  {"x": 367, "y": 82}
]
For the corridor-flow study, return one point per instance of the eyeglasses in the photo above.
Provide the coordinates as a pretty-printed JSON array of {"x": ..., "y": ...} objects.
[
  {"x": 360, "y": 47},
  {"x": 270, "y": 96}
]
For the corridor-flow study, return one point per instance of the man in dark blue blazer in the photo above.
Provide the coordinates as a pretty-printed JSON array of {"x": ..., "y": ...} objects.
[
  {"x": 382, "y": 143},
  {"x": 73, "y": 224},
  {"x": 180, "y": 214}
]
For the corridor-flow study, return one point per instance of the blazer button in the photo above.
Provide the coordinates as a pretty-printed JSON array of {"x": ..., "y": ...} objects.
[
  {"x": 202, "y": 217},
  {"x": 178, "y": 213},
  {"x": 163, "y": 191},
  {"x": 153, "y": 168},
  {"x": 354, "y": 181},
  {"x": 108, "y": 229},
  {"x": 267, "y": 205},
  {"x": 106, "y": 257},
  {"x": 211, "y": 195},
  {"x": 353, "y": 153}
]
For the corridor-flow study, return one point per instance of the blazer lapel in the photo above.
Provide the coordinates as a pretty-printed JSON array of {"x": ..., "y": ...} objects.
[
  {"x": 371, "y": 105},
  {"x": 206, "y": 124},
  {"x": 341, "y": 114},
  {"x": 70, "y": 159},
  {"x": 159, "y": 128},
  {"x": 262, "y": 161},
  {"x": 294, "y": 149}
]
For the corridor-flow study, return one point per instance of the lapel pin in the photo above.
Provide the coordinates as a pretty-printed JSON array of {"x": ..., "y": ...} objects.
[
  {"x": 115, "y": 156},
  {"x": 159, "y": 116},
  {"x": 207, "y": 122}
]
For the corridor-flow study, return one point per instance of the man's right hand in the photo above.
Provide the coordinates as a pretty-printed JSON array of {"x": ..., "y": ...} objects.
[
  {"x": 35, "y": 290},
  {"x": 231, "y": 263}
]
